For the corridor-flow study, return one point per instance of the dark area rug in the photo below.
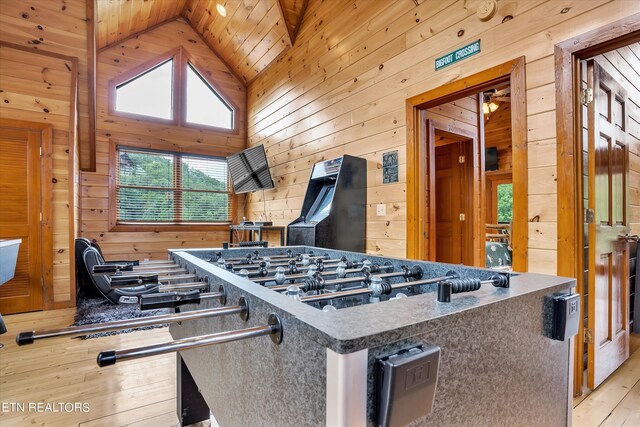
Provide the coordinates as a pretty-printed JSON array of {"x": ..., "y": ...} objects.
[{"x": 98, "y": 310}]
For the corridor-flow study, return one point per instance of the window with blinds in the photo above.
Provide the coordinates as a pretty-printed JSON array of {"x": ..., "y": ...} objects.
[{"x": 158, "y": 187}]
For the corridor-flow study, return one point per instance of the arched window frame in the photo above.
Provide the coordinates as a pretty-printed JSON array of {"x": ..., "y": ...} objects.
[{"x": 181, "y": 60}]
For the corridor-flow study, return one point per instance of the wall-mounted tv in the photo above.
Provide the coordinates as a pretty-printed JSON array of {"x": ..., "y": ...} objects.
[
  {"x": 249, "y": 170},
  {"x": 491, "y": 159}
]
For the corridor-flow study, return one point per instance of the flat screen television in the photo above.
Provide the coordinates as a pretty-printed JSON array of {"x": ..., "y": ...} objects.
[
  {"x": 491, "y": 159},
  {"x": 249, "y": 170}
]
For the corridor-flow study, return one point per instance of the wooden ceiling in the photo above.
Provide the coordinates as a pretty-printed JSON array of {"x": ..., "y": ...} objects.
[{"x": 249, "y": 38}]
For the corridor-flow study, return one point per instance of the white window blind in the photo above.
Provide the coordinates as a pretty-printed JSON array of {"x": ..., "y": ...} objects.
[{"x": 171, "y": 188}]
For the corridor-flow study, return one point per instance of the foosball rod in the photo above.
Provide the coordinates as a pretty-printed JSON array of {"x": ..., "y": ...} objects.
[
  {"x": 312, "y": 261},
  {"x": 451, "y": 283},
  {"x": 414, "y": 272},
  {"x": 255, "y": 272},
  {"x": 324, "y": 273},
  {"x": 320, "y": 266},
  {"x": 29, "y": 337},
  {"x": 340, "y": 281},
  {"x": 289, "y": 255},
  {"x": 368, "y": 290},
  {"x": 163, "y": 267},
  {"x": 182, "y": 286},
  {"x": 118, "y": 282},
  {"x": 330, "y": 263},
  {"x": 251, "y": 260},
  {"x": 455, "y": 286},
  {"x": 180, "y": 297},
  {"x": 273, "y": 328}
]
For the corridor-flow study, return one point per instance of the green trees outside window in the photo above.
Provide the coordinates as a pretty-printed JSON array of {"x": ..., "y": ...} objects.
[
  {"x": 161, "y": 187},
  {"x": 505, "y": 203}
]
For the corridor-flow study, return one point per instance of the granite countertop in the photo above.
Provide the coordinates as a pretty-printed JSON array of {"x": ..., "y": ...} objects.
[{"x": 351, "y": 328}]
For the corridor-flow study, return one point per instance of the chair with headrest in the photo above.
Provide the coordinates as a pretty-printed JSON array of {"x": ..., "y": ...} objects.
[
  {"x": 84, "y": 284},
  {"x": 97, "y": 246},
  {"x": 91, "y": 257}
]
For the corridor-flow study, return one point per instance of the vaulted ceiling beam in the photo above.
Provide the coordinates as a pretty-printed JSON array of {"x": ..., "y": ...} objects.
[
  {"x": 283, "y": 15},
  {"x": 292, "y": 27}
]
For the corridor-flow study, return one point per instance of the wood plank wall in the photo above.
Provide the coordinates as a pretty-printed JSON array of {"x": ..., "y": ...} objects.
[
  {"x": 114, "y": 62},
  {"x": 462, "y": 113},
  {"x": 58, "y": 26},
  {"x": 342, "y": 89},
  {"x": 37, "y": 88}
]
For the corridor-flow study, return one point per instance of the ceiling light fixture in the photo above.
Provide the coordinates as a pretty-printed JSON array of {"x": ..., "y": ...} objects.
[
  {"x": 489, "y": 107},
  {"x": 221, "y": 10}
]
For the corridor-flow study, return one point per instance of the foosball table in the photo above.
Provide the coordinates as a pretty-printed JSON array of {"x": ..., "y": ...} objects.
[
  {"x": 480, "y": 341},
  {"x": 305, "y": 336}
]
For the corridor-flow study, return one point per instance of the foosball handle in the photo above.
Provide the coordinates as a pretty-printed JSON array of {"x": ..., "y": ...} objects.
[
  {"x": 107, "y": 269},
  {"x": 107, "y": 358},
  {"x": 168, "y": 299},
  {"x": 24, "y": 338}
]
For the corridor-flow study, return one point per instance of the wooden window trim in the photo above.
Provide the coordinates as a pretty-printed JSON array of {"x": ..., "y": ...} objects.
[
  {"x": 188, "y": 59},
  {"x": 114, "y": 225},
  {"x": 181, "y": 60},
  {"x": 173, "y": 55},
  {"x": 493, "y": 180}
]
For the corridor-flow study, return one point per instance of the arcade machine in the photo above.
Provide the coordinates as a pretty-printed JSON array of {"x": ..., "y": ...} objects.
[{"x": 333, "y": 213}]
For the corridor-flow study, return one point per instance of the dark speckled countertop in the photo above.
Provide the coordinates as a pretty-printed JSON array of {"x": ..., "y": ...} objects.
[{"x": 364, "y": 326}]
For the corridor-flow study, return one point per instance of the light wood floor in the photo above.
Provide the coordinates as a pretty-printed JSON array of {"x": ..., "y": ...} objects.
[
  {"x": 617, "y": 401},
  {"x": 142, "y": 392},
  {"x": 137, "y": 393}
]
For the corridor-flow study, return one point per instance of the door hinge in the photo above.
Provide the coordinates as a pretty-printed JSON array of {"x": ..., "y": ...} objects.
[
  {"x": 461, "y": 159},
  {"x": 40, "y": 151},
  {"x": 462, "y": 217},
  {"x": 589, "y": 216},
  {"x": 588, "y": 336},
  {"x": 40, "y": 216},
  {"x": 587, "y": 96}
]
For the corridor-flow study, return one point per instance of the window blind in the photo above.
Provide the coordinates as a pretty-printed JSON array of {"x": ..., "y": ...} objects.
[{"x": 165, "y": 187}]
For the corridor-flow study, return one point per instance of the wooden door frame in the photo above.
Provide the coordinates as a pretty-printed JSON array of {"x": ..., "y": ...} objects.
[
  {"x": 73, "y": 169},
  {"x": 570, "y": 229},
  {"x": 513, "y": 72},
  {"x": 46, "y": 189},
  {"x": 471, "y": 228}
]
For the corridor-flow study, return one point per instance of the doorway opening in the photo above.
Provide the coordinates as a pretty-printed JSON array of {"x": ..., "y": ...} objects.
[
  {"x": 454, "y": 163},
  {"x": 465, "y": 204},
  {"x": 597, "y": 89}
]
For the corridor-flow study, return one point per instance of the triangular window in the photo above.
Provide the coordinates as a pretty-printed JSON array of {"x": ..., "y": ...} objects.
[
  {"x": 173, "y": 89},
  {"x": 148, "y": 94},
  {"x": 203, "y": 104}
]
